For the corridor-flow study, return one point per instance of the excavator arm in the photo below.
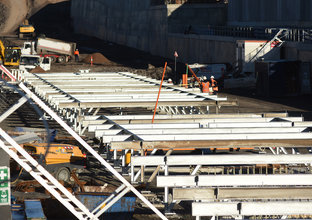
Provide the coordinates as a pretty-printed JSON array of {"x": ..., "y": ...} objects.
[
  {"x": 1, "y": 52},
  {"x": 194, "y": 75}
]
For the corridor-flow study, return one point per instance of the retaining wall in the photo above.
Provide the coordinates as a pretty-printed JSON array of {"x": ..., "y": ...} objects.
[
  {"x": 270, "y": 13},
  {"x": 136, "y": 24}
]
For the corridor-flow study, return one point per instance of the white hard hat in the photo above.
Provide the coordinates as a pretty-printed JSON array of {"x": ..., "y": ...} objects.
[
  {"x": 212, "y": 77},
  {"x": 169, "y": 80},
  {"x": 204, "y": 77}
]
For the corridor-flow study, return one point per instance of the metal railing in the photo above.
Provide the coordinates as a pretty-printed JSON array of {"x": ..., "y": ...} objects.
[{"x": 294, "y": 34}]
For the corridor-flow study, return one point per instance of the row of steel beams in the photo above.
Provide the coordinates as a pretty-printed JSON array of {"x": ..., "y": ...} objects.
[
  {"x": 201, "y": 131},
  {"x": 106, "y": 82}
]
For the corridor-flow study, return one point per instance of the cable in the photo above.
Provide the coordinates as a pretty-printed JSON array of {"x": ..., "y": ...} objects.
[{"x": 17, "y": 176}]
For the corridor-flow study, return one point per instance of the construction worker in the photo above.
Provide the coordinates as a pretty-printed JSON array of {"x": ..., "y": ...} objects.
[
  {"x": 76, "y": 53},
  {"x": 205, "y": 85},
  {"x": 214, "y": 85}
]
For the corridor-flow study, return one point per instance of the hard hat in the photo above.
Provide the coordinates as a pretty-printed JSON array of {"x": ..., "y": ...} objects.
[
  {"x": 169, "y": 80},
  {"x": 204, "y": 78},
  {"x": 212, "y": 77}
]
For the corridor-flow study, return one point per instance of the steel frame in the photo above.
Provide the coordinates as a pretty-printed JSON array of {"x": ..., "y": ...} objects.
[{"x": 117, "y": 195}]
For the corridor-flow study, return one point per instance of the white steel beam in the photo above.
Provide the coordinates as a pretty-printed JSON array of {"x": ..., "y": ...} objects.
[
  {"x": 213, "y": 137},
  {"x": 250, "y": 125},
  {"x": 94, "y": 127},
  {"x": 101, "y": 132},
  {"x": 13, "y": 108},
  {"x": 277, "y": 208},
  {"x": 213, "y": 208},
  {"x": 210, "y": 122},
  {"x": 180, "y": 160},
  {"x": 252, "y": 208},
  {"x": 236, "y": 193},
  {"x": 128, "y": 117},
  {"x": 235, "y": 180}
]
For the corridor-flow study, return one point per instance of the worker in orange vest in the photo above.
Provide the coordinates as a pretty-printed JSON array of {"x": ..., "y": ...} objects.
[
  {"x": 205, "y": 85},
  {"x": 76, "y": 53},
  {"x": 214, "y": 85}
]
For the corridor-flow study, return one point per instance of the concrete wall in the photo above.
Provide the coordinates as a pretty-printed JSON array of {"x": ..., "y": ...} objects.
[
  {"x": 200, "y": 15},
  {"x": 136, "y": 24},
  {"x": 270, "y": 13},
  {"x": 126, "y": 22},
  {"x": 202, "y": 49}
]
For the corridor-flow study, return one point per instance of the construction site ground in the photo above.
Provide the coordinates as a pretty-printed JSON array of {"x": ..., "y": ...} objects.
[{"x": 126, "y": 59}]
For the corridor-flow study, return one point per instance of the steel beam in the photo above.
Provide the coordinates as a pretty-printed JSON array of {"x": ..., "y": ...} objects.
[
  {"x": 130, "y": 117},
  {"x": 252, "y": 208},
  {"x": 183, "y": 131},
  {"x": 137, "y": 145},
  {"x": 192, "y": 194},
  {"x": 94, "y": 127},
  {"x": 13, "y": 108},
  {"x": 180, "y": 160},
  {"x": 143, "y": 104},
  {"x": 235, "y": 180}
]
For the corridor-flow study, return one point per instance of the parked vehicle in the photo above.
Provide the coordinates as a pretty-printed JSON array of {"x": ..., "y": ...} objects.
[
  {"x": 57, "y": 50},
  {"x": 29, "y": 62},
  {"x": 60, "y": 159}
]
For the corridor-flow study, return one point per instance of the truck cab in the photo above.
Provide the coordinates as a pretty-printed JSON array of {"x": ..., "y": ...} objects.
[
  {"x": 29, "y": 48},
  {"x": 29, "y": 62}
]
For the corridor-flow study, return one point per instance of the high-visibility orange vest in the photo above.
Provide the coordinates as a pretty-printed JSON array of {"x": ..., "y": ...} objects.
[
  {"x": 214, "y": 85},
  {"x": 76, "y": 52},
  {"x": 205, "y": 87}
]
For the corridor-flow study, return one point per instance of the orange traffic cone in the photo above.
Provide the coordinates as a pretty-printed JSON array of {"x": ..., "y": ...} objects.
[{"x": 91, "y": 61}]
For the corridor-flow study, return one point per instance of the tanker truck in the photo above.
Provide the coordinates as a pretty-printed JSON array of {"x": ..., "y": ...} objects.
[{"x": 58, "y": 51}]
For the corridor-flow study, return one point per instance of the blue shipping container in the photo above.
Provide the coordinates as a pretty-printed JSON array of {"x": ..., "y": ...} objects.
[{"x": 124, "y": 207}]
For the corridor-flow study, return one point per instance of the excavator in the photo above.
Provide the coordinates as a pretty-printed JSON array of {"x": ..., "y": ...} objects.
[
  {"x": 26, "y": 30},
  {"x": 10, "y": 55}
]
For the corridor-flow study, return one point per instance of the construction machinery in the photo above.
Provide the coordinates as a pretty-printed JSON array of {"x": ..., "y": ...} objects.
[
  {"x": 26, "y": 30},
  {"x": 29, "y": 62},
  {"x": 59, "y": 159},
  {"x": 57, "y": 50},
  {"x": 10, "y": 55}
]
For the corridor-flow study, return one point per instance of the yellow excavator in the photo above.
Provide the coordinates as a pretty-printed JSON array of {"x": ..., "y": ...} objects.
[
  {"x": 26, "y": 30},
  {"x": 10, "y": 55}
]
